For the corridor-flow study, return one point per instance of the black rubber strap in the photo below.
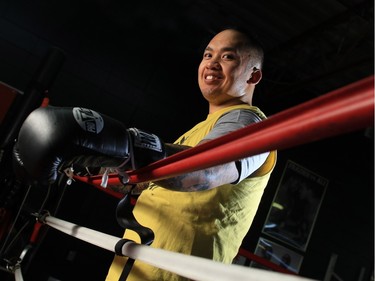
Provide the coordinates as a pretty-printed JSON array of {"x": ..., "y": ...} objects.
[
  {"x": 129, "y": 263},
  {"x": 126, "y": 270},
  {"x": 119, "y": 245}
]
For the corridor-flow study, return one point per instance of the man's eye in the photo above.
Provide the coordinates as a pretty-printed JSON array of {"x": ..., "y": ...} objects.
[
  {"x": 228, "y": 56},
  {"x": 207, "y": 55}
]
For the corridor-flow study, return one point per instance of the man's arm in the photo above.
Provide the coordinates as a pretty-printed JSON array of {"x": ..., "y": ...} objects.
[
  {"x": 231, "y": 172},
  {"x": 194, "y": 181},
  {"x": 199, "y": 180},
  {"x": 53, "y": 139},
  {"x": 203, "y": 179}
]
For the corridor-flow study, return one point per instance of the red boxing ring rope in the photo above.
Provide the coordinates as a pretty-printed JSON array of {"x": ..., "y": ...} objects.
[{"x": 341, "y": 111}]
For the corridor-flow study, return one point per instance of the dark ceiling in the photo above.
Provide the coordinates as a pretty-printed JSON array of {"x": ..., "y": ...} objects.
[{"x": 144, "y": 54}]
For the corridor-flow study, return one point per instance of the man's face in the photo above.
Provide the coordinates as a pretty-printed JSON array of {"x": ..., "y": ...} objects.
[{"x": 222, "y": 72}]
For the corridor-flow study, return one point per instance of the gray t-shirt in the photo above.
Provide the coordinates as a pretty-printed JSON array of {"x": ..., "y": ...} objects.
[{"x": 232, "y": 121}]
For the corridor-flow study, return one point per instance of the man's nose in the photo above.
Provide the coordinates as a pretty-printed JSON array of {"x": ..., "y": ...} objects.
[{"x": 213, "y": 64}]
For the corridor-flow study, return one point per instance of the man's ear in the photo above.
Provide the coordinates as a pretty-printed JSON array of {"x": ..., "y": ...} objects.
[{"x": 255, "y": 76}]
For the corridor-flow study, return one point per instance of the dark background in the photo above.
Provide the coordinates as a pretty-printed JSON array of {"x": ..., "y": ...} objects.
[{"x": 137, "y": 62}]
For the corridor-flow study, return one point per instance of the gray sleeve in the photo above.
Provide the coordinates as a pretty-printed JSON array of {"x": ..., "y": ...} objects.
[{"x": 233, "y": 121}]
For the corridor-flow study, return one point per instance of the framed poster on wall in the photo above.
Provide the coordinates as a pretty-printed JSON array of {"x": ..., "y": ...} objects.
[
  {"x": 277, "y": 254},
  {"x": 295, "y": 206}
]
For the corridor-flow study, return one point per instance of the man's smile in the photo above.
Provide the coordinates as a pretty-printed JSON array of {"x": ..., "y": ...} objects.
[{"x": 212, "y": 78}]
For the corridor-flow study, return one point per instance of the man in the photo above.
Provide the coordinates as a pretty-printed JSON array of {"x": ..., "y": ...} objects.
[
  {"x": 207, "y": 213},
  {"x": 204, "y": 213}
]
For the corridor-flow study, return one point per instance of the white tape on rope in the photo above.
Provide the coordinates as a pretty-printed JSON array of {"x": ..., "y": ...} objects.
[
  {"x": 201, "y": 269},
  {"x": 18, "y": 274},
  {"x": 195, "y": 268},
  {"x": 94, "y": 237}
]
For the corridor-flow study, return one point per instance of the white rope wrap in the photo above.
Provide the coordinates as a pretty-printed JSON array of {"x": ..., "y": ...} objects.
[
  {"x": 201, "y": 269},
  {"x": 94, "y": 237},
  {"x": 196, "y": 268},
  {"x": 18, "y": 274}
]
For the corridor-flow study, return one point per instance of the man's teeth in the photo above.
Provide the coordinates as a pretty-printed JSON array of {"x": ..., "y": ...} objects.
[{"x": 209, "y": 77}]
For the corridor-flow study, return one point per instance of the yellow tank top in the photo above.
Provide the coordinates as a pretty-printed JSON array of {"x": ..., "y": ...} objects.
[{"x": 209, "y": 224}]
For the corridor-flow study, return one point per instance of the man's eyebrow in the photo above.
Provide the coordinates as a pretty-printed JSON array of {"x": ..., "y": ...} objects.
[
  {"x": 229, "y": 49},
  {"x": 225, "y": 49}
]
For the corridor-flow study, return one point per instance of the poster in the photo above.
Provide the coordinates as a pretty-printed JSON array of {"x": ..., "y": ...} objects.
[
  {"x": 295, "y": 206},
  {"x": 278, "y": 255}
]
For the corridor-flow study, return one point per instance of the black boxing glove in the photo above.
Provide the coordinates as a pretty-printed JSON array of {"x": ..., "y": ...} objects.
[{"x": 53, "y": 138}]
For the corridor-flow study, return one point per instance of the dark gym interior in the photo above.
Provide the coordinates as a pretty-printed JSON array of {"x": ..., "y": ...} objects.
[{"x": 137, "y": 62}]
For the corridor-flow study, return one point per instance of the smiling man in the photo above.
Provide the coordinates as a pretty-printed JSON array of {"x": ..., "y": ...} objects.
[
  {"x": 204, "y": 213},
  {"x": 207, "y": 213}
]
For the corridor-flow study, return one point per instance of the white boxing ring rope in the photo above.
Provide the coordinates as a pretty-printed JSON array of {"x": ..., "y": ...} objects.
[
  {"x": 195, "y": 268},
  {"x": 18, "y": 274}
]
